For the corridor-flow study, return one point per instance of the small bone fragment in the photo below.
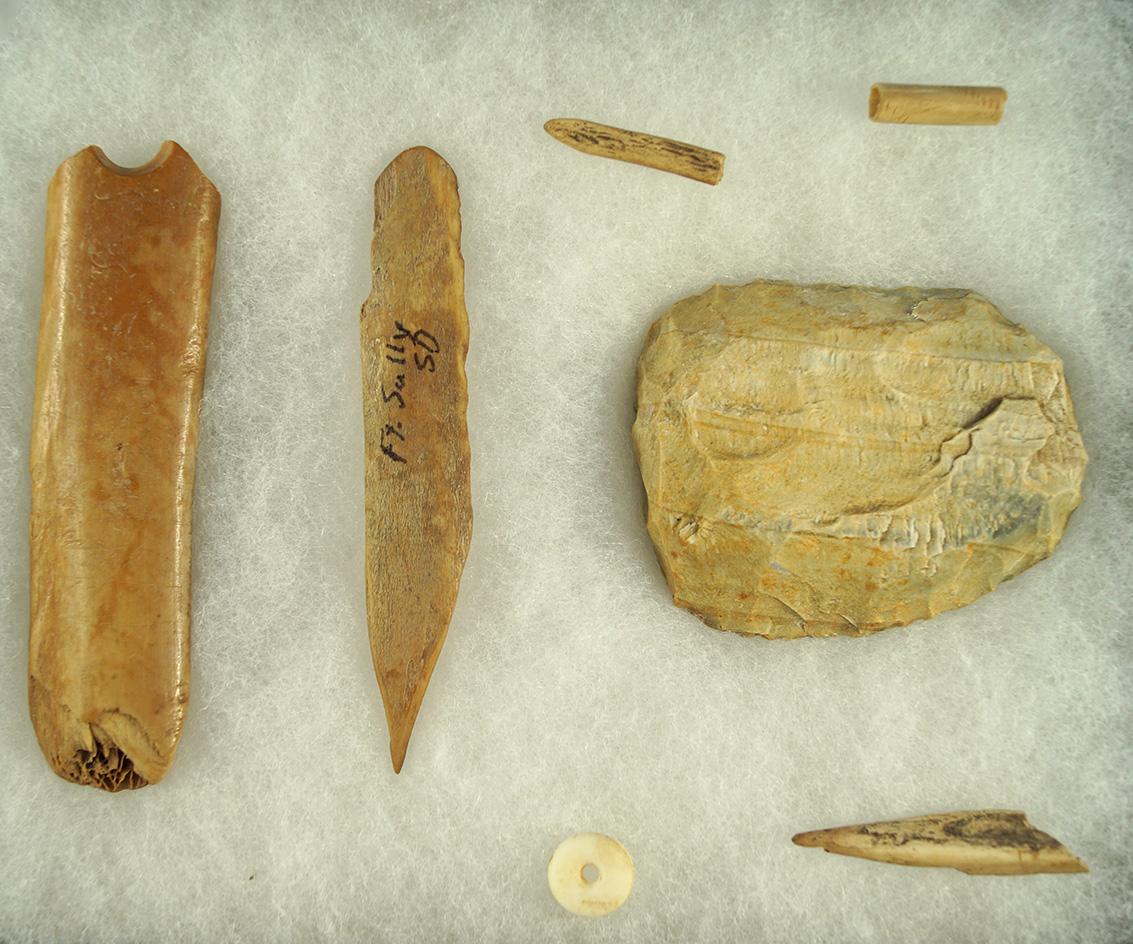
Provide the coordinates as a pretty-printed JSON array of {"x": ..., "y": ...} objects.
[
  {"x": 981, "y": 842},
  {"x": 936, "y": 104},
  {"x": 635, "y": 147},
  {"x": 590, "y": 874},
  {"x": 120, "y": 366},
  {"x": 414, "y": 401},
  {"x": 829, "y": 460}
]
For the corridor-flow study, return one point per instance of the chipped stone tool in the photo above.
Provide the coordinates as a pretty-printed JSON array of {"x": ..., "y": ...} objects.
[
  {"x": 414, "y": 400},
  {"x": 824, "y": 459},
  {"x": 121, "y": 362},
  {"x": 981, "y": 842}
]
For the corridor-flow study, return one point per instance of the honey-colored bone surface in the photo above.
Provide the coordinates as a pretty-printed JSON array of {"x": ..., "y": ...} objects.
[
  {"x": 414, "y": 399},
  {"x": 936, "y": 104},
  {"x": 121, "y": 362}
]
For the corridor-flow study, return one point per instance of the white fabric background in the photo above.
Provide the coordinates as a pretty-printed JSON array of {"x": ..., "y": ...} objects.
[{"x": 571, "y": 694}]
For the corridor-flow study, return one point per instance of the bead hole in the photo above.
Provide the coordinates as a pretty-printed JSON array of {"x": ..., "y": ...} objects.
[{"x": 590, "y": 873}]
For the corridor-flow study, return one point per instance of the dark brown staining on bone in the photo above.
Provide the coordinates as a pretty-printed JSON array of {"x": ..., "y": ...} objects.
[
  {"x": 635, "y": 147},
  {"x": 991, "y": 831},
  {"x": 105, "y": 767}
]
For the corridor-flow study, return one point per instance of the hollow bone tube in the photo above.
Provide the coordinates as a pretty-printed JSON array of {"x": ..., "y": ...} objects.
[
  {"x": 123, "y": 330},
  {"x": 936, "y": 104}
]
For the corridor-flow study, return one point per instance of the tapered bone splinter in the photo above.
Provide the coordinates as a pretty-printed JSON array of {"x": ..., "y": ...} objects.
[
  {"x": 980, "y": 842},
  {"x": 636, "y": 147}
]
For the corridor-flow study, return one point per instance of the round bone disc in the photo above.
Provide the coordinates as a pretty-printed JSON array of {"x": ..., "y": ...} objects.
[{"x": 590, "y": 874}]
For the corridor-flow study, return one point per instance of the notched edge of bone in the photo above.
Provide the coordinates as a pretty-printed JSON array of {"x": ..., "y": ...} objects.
[{"x": 167, "y": 150}]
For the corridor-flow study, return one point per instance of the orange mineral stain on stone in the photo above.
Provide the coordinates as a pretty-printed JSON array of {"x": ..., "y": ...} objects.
[{"x": 861, "y": 457}]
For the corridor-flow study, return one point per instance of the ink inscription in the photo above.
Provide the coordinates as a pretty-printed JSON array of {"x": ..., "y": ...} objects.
[{"x": 407, "y": 349}]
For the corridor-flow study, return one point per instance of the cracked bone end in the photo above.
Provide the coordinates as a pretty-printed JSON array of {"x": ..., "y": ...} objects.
[
  {"x": 828, "y": 460},
  {"x": 981, "y": 842},
  {"x": 112, "y": 753}
]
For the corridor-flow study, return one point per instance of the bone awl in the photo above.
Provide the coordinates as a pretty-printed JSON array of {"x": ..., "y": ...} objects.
[
  {"x": 120, "y": 366},
  {"x": 978, "y": 842},
  {"x": 414, "y": 404}
]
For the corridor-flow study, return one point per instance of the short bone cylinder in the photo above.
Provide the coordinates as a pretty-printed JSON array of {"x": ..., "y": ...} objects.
[{"x": 936, "y": 104}]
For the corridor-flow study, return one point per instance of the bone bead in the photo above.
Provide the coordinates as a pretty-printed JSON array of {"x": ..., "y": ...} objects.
[
  {"x": 590, "y": 874},
  {"x": 936, "y": 104}
]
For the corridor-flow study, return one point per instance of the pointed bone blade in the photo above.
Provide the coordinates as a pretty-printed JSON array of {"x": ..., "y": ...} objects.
[{"x": 415, "y": 398}]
